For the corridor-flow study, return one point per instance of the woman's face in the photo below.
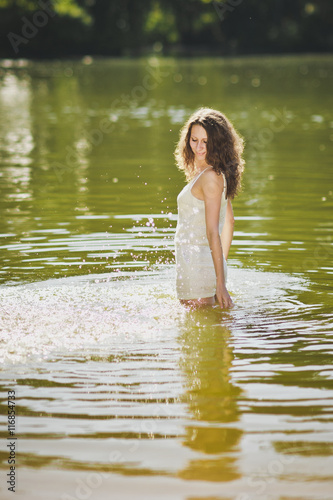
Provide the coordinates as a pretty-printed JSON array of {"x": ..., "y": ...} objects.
[{"x": 198, "y": 142}]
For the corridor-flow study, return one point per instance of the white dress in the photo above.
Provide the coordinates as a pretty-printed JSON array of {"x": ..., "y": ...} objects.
[{"x": 195, "y": 273}]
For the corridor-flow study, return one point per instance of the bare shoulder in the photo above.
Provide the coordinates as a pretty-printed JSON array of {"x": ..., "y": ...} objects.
[
  {"x": 212, "y": 176},
  {"x": 212, "y": 183}
]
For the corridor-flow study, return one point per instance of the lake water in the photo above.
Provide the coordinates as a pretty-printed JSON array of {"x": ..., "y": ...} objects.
[{"x": 120, "y": 391}]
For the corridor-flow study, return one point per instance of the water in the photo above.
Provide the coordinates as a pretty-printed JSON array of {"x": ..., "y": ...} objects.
[{"x": 121, "y": 392}]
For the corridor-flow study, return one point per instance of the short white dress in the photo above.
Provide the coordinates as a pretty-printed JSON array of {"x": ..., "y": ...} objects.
[{"x": 195, "y": 273}]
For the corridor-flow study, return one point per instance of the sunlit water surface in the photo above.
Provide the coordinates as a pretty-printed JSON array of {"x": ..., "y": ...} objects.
[{"x": 121, "y": 392}]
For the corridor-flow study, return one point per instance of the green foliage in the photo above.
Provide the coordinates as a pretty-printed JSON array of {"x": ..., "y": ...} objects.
[
  {"x": 114, "y": 27},
  {"x": 72, "y": 9},
  {"x": 160, "y": 24}
]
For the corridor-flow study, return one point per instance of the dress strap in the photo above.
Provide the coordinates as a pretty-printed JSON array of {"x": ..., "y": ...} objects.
[
  {"x": 204, "y": 170},
  {"x": 224, "y": 180},
  {"x": 198, "y": 175}
]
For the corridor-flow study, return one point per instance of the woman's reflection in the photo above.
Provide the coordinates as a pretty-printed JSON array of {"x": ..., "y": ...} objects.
[{"x": 210, "y": 396}]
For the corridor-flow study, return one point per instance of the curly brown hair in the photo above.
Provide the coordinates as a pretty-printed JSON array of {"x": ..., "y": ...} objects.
[{"x": 224, "y": 148}]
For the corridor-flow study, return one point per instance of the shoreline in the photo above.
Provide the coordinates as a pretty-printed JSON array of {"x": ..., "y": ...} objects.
[{"x": 87, "y": 59}]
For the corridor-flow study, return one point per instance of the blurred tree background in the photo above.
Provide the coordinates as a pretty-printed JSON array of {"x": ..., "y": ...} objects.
[{"x": 70, "y": 28}]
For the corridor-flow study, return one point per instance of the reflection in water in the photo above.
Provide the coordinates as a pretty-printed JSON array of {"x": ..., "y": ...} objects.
[
  {"x": 116, "y": 378},
  {"x": 17, "y": 141},
  {"x": 210, "y": 395}
]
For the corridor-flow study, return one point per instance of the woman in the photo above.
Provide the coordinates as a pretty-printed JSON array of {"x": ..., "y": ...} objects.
[{"x": 210, "y": 153}]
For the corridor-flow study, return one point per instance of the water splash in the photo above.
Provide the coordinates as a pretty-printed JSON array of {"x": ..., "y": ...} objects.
[{"x": 75, "y": 314}]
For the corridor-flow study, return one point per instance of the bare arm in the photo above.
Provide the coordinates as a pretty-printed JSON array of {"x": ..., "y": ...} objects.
[
  {"x": 228, "y": 230},
  {"x": 212, "y": 187}
]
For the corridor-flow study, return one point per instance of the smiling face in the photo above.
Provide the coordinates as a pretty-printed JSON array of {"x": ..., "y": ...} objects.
[{"x": 198, "y": 143}]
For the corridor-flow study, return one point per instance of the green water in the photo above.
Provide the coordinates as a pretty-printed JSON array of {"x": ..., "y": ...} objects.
[
  {"x": 120, "y": 391},
  {"x": 84, "y": 145}
]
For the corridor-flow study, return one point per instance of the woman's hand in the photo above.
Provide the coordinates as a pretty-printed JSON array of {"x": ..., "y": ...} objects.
[{"x": 223, "y": 297}]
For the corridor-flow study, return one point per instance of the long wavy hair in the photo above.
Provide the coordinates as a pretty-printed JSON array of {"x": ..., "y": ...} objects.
[{"x": 224, "y": 148}]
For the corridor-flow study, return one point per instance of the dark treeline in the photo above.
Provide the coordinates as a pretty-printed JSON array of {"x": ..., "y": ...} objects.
[{"x": 67, "y": 28}]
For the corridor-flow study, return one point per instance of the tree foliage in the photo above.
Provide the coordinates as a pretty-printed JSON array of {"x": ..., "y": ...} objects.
[{"x": 53, "y": 28}]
